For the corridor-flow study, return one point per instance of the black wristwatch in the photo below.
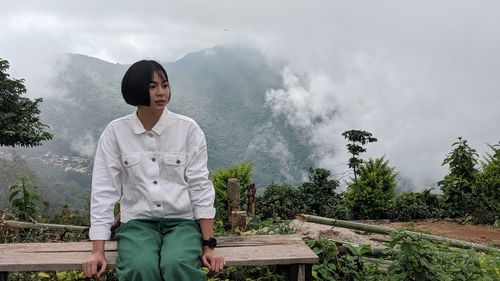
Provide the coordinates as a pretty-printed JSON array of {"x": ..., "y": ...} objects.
[{"x": 211, "y": 242}]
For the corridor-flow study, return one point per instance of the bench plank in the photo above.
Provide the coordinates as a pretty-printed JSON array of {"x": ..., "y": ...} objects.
[{"x": 237, "y": 251}]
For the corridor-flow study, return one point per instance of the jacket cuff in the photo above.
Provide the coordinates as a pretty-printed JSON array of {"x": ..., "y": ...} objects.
[
  {"x": 99, "y": 233},
  {"x": 204, "y": 213}
]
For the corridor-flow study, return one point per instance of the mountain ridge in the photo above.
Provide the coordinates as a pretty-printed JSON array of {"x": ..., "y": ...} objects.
[{"x": 222, "y": 88}]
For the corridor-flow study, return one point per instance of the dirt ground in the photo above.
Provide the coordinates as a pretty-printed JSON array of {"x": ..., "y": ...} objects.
[
  {"x": 481, "y": 234},
  {"x": 486, "y": 235}
]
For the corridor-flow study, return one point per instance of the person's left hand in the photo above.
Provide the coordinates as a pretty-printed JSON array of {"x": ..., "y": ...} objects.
[{"x": 212, "y": 261}]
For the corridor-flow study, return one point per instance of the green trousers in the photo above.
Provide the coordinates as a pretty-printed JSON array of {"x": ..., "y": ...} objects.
[{"x": 166, "y": 249}]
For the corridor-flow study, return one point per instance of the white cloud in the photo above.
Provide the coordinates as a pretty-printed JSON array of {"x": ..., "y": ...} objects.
[
  {"x": 414, "y": 128},
  {"x": 417, "y": 74}
]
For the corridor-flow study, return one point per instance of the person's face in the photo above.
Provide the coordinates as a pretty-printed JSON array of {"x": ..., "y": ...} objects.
[{"x": 159, "y": 92}]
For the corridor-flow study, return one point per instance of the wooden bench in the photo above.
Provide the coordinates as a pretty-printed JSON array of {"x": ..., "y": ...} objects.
[{"x": 288, "y": 251}]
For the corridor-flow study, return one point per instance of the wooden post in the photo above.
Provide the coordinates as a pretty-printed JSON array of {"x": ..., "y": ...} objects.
[
  {"x": 236, "y": 217},
  {"x": 251, "y": 200},
  {"x": 233, "y": 194}
]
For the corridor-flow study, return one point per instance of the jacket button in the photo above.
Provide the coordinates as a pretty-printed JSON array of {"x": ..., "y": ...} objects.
[
  {"x": 158, "y": 205},
  {"x": 126, "y": 162},
  {"x": 150, "y": 134},
  {"x": 155, "y": 182},
  {"x": 178, "y": 161},
  {"x": 153, "y": 159}
]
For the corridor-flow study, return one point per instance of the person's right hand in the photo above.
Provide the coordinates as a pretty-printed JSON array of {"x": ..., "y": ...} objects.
[{"x": 95, "y": 265}]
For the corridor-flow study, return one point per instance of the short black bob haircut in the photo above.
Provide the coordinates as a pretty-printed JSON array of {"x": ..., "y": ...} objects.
[{"x": 135, "y": 82}]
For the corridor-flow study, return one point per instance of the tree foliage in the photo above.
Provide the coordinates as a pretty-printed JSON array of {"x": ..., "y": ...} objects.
[
  {"x": 279, "y": 200},
  {"x": 457, "y": 186},
  {"x": 19, "y": 116},
  {"x": 319, "y": 196},
  {"x": 370, "y": 196},
  {"x": 357, "y": 139}
]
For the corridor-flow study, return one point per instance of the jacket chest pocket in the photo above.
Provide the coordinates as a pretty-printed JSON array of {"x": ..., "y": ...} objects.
[
  {"x": 174, "y": 164},
  {"x": 132, "y": 165}
]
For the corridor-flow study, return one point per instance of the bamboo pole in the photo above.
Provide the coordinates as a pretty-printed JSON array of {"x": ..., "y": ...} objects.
[
  {"x": 387, "y": 230},
  {"x": 21, "y": 224},
  {"x": 377, "y": 260},
  {"x": 374, "y": 250}
]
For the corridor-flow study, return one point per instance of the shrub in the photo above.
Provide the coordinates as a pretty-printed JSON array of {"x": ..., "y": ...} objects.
[
  {"x": 487, "y": 188},
  {"x": 68, "y": 216},
  {"x": 410, "y": 206},
  {"x": 458, "y": 198},
  {"x": 219, "y": 177},
  {"x": 279, "y": 200},
  {"x": 370, "y": 196},
  {"x": 407, "y": 207}
]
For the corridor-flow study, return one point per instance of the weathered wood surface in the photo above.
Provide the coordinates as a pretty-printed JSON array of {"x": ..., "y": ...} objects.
[{"x": 237, "y": 250}]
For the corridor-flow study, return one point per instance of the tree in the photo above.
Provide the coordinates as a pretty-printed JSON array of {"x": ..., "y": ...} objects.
[
  {"x": 19, "y": 116},
  {"x": 371, "y": 195},
  {"x": 24, "y": 199},
  {"x": 279, "y": 200},
  {"x": 319, "y": 196},
  {"x": 457, "y": 186},
  {"x": 357, "y": 139}
]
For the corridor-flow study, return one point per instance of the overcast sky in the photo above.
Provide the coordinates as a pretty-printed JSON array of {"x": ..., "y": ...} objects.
[{"x": 416, "y": 74}]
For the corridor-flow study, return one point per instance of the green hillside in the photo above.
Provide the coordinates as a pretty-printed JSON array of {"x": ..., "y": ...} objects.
[{"x": 222, "y": 88}]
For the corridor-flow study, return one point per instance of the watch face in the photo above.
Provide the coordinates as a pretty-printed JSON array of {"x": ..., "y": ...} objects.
[{"x": 211, "y": 242}]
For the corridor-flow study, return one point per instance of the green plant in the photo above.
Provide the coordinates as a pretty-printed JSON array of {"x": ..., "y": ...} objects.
[
  {"x": 338, "y": 262},
  {"x": 415, "y": 258},
  {"x": 419, "y": 259},
  {"x": 370, "y": 196},
  {"x": 11, "y": 166},
  {"x": 250, "y": 273},
  {"x": 74, "y": 275},
  {"x": 458, "y": 198},
  {"x": 24, "y": 199}
]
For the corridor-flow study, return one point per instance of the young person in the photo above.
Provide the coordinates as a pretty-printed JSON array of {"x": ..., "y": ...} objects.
[{"x": 154, "y": 162}]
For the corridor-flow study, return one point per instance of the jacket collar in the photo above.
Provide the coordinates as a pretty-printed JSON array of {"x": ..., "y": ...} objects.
[{"x": 138, "y": 128}]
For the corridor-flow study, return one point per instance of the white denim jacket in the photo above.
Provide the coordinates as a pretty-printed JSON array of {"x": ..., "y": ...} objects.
[{"x": 160, "y": 173}]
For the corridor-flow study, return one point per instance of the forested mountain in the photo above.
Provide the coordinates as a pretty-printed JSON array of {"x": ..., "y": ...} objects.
[{"x": 222, "y": 88}]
